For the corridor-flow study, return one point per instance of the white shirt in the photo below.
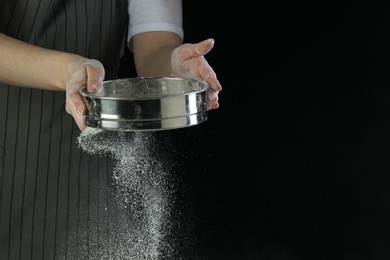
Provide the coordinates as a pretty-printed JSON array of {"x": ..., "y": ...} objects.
[{"x": 155, "y": 15}]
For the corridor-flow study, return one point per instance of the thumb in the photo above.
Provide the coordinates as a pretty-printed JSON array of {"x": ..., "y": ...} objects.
[
  {"x": 189, "y": 51},
  {"x": 95, "y": 74},
  {"x": 204, "y": 47}
]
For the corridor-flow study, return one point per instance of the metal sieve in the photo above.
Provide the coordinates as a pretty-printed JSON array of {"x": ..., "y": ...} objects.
[{"x": 146, "y": 104}]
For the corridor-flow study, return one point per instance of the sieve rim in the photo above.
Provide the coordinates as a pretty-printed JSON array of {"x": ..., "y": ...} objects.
[{"x": 202, "y": 87}]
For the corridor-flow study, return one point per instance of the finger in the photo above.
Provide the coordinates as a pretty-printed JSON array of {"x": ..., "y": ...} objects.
[
  {"x": 207, "y": 74},
  {"x": 212, "y": 99},
  {"x": 76, "y": 107},
  {"x": 95, "y": 75},
  {"x": 212, "y": 81},
  {"x": 76, "y": 103},
  {"x": 79, "y": 119}
]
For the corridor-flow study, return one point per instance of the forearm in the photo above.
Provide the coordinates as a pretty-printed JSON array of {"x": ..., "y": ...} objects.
[
  {"x": 156, "y": 64},
  {"x": 152, "y": 53},
  {"x": 27, "y": 65}
]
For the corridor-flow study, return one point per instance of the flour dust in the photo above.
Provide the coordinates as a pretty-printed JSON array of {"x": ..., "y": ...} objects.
[{"x": 142, "y": 192}]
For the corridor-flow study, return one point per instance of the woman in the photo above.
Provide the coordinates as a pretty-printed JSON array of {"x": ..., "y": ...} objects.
[{"x": 49, "y": 50}]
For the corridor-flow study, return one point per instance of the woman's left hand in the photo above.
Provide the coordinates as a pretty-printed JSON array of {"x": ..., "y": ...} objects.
[{"x": 188, "y": 61}]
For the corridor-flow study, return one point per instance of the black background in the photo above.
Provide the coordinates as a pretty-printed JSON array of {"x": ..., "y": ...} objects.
[{"x": 295, "y": 164}]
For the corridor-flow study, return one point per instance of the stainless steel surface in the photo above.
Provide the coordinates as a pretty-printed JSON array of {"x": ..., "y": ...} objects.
[{"x": 146, "y": 104}]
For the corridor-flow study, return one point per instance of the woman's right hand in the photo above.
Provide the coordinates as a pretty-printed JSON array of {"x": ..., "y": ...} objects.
[{"x": 81, "y": 73}]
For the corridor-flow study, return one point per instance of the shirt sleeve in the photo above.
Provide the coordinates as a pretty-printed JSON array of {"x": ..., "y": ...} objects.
[{"x": 155, "y": 15}]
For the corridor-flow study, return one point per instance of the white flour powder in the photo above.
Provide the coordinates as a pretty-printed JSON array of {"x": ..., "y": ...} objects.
[{"x": 142, "y": 192}]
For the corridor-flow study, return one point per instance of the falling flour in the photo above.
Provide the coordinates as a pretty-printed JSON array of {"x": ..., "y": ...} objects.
[{"x": 142, "y": 192}]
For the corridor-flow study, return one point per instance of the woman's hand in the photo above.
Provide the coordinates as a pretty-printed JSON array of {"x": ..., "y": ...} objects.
[
  {"x": 188, "y": 61},
  {"x": 81, "y": 73}
]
